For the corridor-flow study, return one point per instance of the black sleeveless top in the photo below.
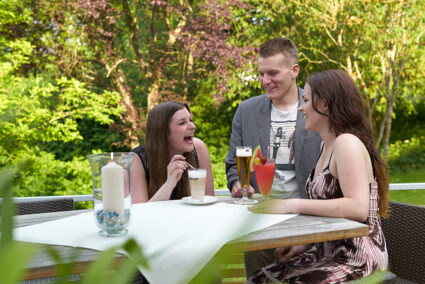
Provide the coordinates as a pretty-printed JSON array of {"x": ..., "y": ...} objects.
[{"x": 141, "y": 152}]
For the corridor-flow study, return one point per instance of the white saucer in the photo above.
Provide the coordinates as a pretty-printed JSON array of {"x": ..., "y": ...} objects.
[{"x": 208, "y": 199}]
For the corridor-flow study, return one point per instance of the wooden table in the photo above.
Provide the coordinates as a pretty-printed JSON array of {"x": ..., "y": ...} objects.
[{"x": 301, "y": 229}]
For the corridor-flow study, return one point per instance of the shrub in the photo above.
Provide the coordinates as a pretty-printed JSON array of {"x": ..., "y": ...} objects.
[
  {"x": 406, "y": 155},
  {"x": 217, "y": 162}
]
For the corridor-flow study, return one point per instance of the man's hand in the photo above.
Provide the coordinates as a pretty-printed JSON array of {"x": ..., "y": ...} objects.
[{"x": 237, "y": 190}]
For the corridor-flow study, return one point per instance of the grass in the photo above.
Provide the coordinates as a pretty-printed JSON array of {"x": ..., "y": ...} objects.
[
  {"x": 409, "y": 176},
  {"x": 416, "y": 197}
]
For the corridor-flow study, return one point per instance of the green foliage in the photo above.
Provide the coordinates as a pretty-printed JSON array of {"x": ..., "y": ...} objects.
[
  {"x": 37, "y": 112},
  {"x": 53, "y": 176},
  {"x": 407, "y": 155},
  {"x": 14, "y": 256},
  {"x": 7, "y": 207},
  {"x": 94, "y": 136},
  {"x": 13, "y": 259},
  {"x": 11, "y": 61},
  {"x": 416, "y": 197},
  {"x": 67, "y": 69},
  {"x": 218, "y": 167},
  {"x": 409, "y": 119},
  {"x": 98, "y": 270}
]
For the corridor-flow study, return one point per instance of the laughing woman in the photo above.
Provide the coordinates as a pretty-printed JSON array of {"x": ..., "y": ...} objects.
[
  {"x": 349, "y": 181},
  {"x": 159, "y": 169}
]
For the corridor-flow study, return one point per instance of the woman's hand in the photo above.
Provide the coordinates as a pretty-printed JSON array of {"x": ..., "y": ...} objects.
[
  {"x": 285, "y": 253},
  {"x": 175, "y": 169},
  {"x": 274, "y": 206}
]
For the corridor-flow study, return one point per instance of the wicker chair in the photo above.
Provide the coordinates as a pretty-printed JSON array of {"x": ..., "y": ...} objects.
[
  {"x": 44, "y": 206},
  {"x": 404, "y": 233}
]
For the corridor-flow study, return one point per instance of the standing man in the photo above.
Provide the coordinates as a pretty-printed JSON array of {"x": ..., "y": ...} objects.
[{"x": 257, "y": 122}]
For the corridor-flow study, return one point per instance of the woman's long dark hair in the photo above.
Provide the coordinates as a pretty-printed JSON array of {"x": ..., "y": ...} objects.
[
  {"x": 158, "y": 155},
  {"x": 346, "y": 115}
]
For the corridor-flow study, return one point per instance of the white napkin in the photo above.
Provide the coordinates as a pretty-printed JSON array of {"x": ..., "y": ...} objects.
[{"x": 178, "y": 239}]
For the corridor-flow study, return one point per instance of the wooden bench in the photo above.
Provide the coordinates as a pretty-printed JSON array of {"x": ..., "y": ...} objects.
[{"x": 232, "y": 268}]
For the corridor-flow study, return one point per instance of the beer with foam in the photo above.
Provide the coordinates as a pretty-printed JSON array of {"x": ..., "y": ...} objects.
[{"x": 243, "y": 158}]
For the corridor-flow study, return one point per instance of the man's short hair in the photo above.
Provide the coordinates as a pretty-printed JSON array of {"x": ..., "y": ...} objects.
[{"x": 279, "y": 45}]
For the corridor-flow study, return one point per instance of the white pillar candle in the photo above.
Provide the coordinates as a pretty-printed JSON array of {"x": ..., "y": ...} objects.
[{"x": 113, "y": 187}]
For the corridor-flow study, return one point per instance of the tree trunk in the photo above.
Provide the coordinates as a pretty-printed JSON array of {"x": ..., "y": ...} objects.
[
  {"x": 131, "y": 117},
  {"x": 153, "y": 95},
  {"x": 133, "y": 31},
  {"x": 389, "y": 119},
  {"x": 381, "y": 129},
  {"x": 131, "y": 120},
  {"x": 395, "y": 72}
]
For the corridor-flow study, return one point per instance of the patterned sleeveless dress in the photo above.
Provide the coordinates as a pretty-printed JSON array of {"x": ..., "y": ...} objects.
[{"x": 334, "y": 261}]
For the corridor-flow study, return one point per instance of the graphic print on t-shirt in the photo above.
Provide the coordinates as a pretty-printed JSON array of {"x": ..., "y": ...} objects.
[
  {"x": 282, "y": 147},
  {"x": 282, "y": 141}
]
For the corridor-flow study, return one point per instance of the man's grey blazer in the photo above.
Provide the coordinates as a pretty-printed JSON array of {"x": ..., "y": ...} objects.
[{"x": 251, "y": 127}]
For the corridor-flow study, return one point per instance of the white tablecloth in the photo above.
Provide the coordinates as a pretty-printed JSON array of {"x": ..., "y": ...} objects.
[{"x": 178, "y": 239}]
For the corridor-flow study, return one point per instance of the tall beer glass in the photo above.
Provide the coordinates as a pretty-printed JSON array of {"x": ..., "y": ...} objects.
[{"x": 243, "y": 158}]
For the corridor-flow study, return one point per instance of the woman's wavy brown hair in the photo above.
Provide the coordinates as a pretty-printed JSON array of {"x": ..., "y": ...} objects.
[
  {"x": 157, "y": 148},
  {"x": 346, "y": 115}
]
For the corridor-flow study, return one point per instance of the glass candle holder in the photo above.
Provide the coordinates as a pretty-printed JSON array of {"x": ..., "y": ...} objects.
[{"x": 112, "y": 191}]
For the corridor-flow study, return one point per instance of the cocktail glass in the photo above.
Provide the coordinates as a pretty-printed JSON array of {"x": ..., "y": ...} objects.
[
  {"x": 264, "y": 173},
  {"x": 243, "y": 158}
]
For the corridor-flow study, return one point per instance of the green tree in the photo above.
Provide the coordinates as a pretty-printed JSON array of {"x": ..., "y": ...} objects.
[
  {"x": 148, "y": 52},
  {"x": 377, "y": 42},
  {"x": 81, "y": 75},
  {"x": 42, "y": 108}
]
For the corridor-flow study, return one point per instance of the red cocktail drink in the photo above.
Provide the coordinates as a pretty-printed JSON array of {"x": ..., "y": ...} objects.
[{"x": 264, "y": 175}]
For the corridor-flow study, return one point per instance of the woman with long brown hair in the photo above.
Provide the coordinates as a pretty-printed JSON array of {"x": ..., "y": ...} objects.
[
  {"x": 349, "y": 181},
  {"x": 159, "y": 169}
]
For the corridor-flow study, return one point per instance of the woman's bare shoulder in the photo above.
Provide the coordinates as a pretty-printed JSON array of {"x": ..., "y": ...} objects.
[
  {"x": 199, "y": 144},
  {"x": 348, "y": 144}
]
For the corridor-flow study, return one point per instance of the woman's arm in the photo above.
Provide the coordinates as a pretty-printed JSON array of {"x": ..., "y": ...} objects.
[
  {"x": 353, "y": 168},
  {"x": 205, "y": 163},
  {"x": 139, "y": 186},
  {"x": 351, "y": 165},
  {"x": 175, "y": 170}
]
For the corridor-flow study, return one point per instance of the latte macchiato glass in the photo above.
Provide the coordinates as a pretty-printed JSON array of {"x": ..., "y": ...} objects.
[{"x": 197, "y": 181}]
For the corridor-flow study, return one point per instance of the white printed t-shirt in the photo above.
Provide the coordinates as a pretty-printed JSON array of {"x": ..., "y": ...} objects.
[{"x": 282, "y": 146}]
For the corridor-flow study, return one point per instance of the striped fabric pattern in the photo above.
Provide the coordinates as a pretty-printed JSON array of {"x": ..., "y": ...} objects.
[{"x": 335, "y": 261}]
